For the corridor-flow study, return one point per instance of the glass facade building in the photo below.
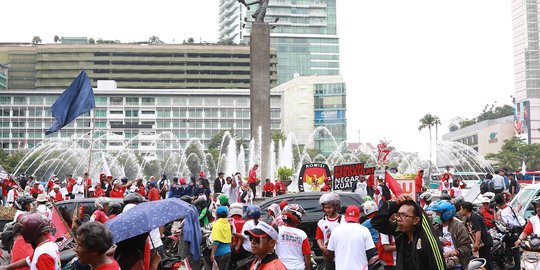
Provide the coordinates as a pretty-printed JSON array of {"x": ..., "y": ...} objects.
[
  {"x": 525, "y": 18},
  {"x": 305, "y": 36},
  {"x": 123, "y": 114},
  {"x": 330, "y": 107},
  {"x": 3, "y": 77}
]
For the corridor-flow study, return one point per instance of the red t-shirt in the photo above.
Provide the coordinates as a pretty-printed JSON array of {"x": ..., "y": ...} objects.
[
  {"x": 111, "y": 266},
  {"x": 142, "y": 191},
  {"x": 50, "y": 184},
  {"x": 252, "y": 176},
  {"x": 5, "y": 188},
  {"x": 268, "y": 187},
  {"x": 418, "y": 182},
  {"x": 279, "y": 186},
  {"x": 99, "y": 193},
  {"x": 35, "y": 191},
  {"x": 58, "y": 196},
  {"x": 70, "y": 183},
  {"x": 99, "y": 216},
  {"x": 326, "y": 187},
  {"x": 21, "y": 250},
  {"x": 153, "y": 194},
  {"x": 116, "y": 194}
]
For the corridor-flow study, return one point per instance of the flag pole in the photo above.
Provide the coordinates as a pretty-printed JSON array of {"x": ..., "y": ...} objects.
[{"x": 92, "y": 124}]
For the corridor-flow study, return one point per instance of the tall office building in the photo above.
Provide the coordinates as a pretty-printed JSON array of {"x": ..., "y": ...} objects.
[
  {"x": 525, "y": 19},
  {"x": 305, "y": 36}
]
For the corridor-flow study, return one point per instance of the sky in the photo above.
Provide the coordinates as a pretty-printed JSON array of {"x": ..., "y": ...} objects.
[{"x": 399, "y": 59}]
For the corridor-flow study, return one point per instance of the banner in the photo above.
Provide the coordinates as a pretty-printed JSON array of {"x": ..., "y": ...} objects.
[
  {"x": 312, "y": 176},
  {"x": 59, "y": 227},
  {"x": 346, "y": 175},
  {"x": 522, "y": 121}
]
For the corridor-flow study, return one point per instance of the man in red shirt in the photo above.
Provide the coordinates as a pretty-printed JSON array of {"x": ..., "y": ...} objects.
[
  {"x": 419, "y": 183},
  {"x": 118, "y": 190},
  {"x": 87, "y": 182},
  {"x": 153, "y": 193},
  {"x": 70, "y": 182},
  {"x": 252, "y": 179},
  {"x": 56, "y": 194},
  {"x": 268, "y": 188},
  {"x": 35, "y": 191},
  {"x": 98, "y": 191},
  {"x": 280, "y": 188}
]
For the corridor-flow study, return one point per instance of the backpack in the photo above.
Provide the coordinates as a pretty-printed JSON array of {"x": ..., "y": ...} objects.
[
  {"x": 7, "y": 236},
  {"x": 484, "y": 187},
  {"x": 386, "y": 193}
]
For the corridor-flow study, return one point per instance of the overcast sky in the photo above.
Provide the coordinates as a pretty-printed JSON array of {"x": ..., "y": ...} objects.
[{"x": 400, "y": 59}]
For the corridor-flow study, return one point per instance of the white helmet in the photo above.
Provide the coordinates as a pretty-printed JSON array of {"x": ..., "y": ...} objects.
[
  {"x": 369, "y": 207},
  {"x": 101, "y": 202},
  {"x": 236, "y": 209},
  {"x": 489, "y": 195},
  {"x": 426, "y": 196},
  {"x": 330, "y": 198}
]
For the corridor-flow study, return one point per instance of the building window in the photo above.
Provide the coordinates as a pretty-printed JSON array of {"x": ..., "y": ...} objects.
[
  {"x": 166, "y": 113},
  {"x": 116, "y": 100},
  {"x": 5, "y": 100},
  {"x": 148, "y": 112},
  {"x": 227, "y": 113},
  {"x": 100, "y": 113},
  {"x": 19, "y": 100},
  {"x": 101, "y": 124},
  {"x": 36, "y": 100},
  {"x": 116, "y": 112},
  {"x": 179, "y": 113},
  {"x": 132, "y": 113},
  {"x": 17, "y": 124},
  {"x": 132, "y": 101},
  {"x": 195, "y": 101},
  {"x": 148, "y": 101},
  {"x": 163, "y": 101},
  {"x": 195, "y": 113},
  {"x": 101, "y": 100},
  {"x": 5, "y": 112}
]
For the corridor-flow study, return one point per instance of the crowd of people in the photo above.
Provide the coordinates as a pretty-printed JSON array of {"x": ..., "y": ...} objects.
[{"x": 419, "y": 231}]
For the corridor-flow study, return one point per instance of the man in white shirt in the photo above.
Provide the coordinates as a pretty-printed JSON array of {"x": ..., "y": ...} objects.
[
  {"x": 351, "y": 243},
  {"x": 292, "y": 246},
  {"x": 361, "y": 187},
  {"x": 511, "y": 218}
]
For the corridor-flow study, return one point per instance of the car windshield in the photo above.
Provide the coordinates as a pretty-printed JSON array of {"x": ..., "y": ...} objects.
[{"x": 523, "y": 197}]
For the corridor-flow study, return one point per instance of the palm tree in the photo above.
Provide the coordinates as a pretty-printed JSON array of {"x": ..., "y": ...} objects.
[{"x": 429, "y": 121}]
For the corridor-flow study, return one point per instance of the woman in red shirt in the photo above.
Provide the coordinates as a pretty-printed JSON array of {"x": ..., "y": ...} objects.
[
  {"x": 153, "y": 193},
  {"x": 98, "y": 191},
  {"x": 102, "y": 205},
  {"x": 93, "y": 241},
  {"x": 117, "y": 191},
  {"x": 486, "y": 213}
]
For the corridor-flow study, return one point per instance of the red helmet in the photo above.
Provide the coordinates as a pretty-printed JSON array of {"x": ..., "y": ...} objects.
[
  {"x": 293, "y": 213},
  {"x": 33, "y": 226}
]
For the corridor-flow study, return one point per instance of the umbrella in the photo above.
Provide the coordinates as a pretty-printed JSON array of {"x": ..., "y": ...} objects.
[{"x": 147, "y": 216}]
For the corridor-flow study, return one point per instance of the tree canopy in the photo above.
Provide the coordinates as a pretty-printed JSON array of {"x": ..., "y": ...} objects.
[
  {"x": 489, "y": 112},
  {"x": 513, "y": 152}
]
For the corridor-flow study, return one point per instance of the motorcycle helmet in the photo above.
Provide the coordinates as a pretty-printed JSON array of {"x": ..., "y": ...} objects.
[
  {"x": 535, "y": 202},
  {"x": 489, "y": 195},
  {"x": 124, "y": 180},
  {"x": 445, "y": 197},
  {"x": 101, "y": 202},
  {"x": 33, "y": 226},
  {"x": 477, "y": 263},
  {"x": 293, "y": 214},
  {"x": 223, "y": 199},
  {"x": 201, "y": 201},
  {"x": 369, "y": 207},
  {"x": 330, "y": 198},
  {"x": 446, "y": 209},
  {"x": 236, "y": 209},
  {"x": 274, "y": 210},
  {"x": 186, "y": 198},
  {"x": 134, "y": 198},
  {"x": 426, "y": 196},
  {"x": 22, "y": 201},
  {"x": 367, "y": 198},
  {"x": 253, "y": 212}
]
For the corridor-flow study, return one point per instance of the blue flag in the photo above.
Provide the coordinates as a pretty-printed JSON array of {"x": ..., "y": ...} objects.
[{"x": 77, "y": 99}]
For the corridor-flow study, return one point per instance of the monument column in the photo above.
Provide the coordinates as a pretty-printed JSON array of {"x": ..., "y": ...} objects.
[{"x": 260, "y": 92}]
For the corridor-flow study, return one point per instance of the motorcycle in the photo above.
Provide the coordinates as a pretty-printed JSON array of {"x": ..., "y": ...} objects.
[
  {"x": 502, "y": 248},
  {"x": 530, "y": 258},
  {"x": 477, "y": 264}
]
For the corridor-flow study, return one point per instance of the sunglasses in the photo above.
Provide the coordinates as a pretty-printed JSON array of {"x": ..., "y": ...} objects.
[{"x": 256, "y": 240}]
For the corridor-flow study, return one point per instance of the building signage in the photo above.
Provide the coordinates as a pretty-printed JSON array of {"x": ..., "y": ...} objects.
[
  {"x": 522, "y": 121},
  {"x": 329, "y": 115},
  {"x": 346, "y": 175},
  {"x": 312, "y": 176},
  {"x": 493, "y": 137}
]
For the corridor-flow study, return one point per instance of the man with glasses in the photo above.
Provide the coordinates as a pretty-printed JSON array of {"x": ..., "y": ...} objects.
[
  {"x": 263, "y": 241},
  {"x": 416, "y": 245}
]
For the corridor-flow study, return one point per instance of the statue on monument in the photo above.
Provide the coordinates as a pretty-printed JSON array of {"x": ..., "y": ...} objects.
[{"x": 260, "y": 13}]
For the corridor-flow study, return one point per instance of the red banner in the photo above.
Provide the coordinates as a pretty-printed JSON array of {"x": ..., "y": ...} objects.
[
  {"x": 394, "y": 186},
  {"x": 59, "y": 227}
]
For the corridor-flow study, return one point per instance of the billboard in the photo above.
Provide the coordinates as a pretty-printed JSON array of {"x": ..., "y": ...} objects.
[
  {"x": 312, "y": 176},
  {"x": 522, "y": 121},
  {"x": 346, "y": 175},
  {"x": 329, "y": 115}
]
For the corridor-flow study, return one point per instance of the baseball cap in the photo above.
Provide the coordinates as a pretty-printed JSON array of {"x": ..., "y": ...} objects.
[
  {"x": 263, "y": 230},
  {"x": 222, "y": 210},
  {"x": 352, "y": 214}
]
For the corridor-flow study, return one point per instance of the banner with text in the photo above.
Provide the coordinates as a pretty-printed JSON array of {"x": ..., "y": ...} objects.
[
  {"x": 346, "y": 175},
  {"x": 312, "y": 176}
]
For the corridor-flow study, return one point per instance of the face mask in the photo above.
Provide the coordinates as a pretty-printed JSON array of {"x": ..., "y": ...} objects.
[{"x": 437, "y": 219}]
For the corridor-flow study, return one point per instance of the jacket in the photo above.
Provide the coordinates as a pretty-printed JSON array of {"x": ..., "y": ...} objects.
[
  {"x": 426, "y": 250},
  {"x": 270, "y": 262},
  {"x": 461, "y": 239}
]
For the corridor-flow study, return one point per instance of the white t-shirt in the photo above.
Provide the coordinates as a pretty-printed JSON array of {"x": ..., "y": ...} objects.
[
  {"x": 226, "y": 190},
  {"x": 250, "y": 224},
  {"x": 349, "y": 241},
  {"x": 361, "y": 189},
  {"x": 46, "y": 249},
  {"x": 448, "y": 244},
  {"x": 78, "y": 190},
  {"x": 325, "y": 227},
  {"x": 44, "y": 211},
  {"x": 291, "y": 246},
  {"x": 385, "y": 240}
]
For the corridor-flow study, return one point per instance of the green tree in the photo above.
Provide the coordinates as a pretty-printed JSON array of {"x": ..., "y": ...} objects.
[
  {"x": 511, "y": 155},
  {"x": 428, "y": 121},
  {"x": 155, "y": 40},
  {"x": 190, "y": 40},
  {"x": 91, "y": 41},
  {"x": 56, "y": 39},
  {"x": 36, "y": 40},
  {"x": 10, "y": 162}
]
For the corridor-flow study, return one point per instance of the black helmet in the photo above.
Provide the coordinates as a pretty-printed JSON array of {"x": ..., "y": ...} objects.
[
  {"x": 535, "y": 201},
  {"x": 124, "y": 180},
  {"x": 134, "y": 197},
  {"x": 445, "y": 197},
  {"x": 186, "y": 198},
  {"x": 22, "y": 201},
  {"x": 33, "y": 226}
]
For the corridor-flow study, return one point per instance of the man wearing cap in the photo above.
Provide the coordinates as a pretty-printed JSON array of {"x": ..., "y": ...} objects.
[
  {"x": 12, "y": 195},
  {"x": 35, "y": 191},
  {"x": 55, "y": 194},
  {"x": 263, "y": 241},
  {"x": 42, "y": 207},
  {"x": 351, "y": 243}
]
